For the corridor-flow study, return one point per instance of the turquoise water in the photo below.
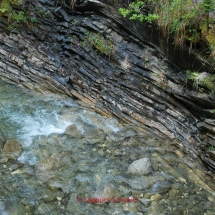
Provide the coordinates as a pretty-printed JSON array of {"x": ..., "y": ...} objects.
[{"x": 24, "y": 114}]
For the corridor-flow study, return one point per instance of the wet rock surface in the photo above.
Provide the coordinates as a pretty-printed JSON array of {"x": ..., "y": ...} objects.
[
  {"x": 94, "y": 166},
  {"x": 133, "y": 81},
  {"x": 140, "y": 167},
  {"x": 70, "y": 172},
  {"x": 12, "y": 149},
  {"x": 2, "y": 140}
]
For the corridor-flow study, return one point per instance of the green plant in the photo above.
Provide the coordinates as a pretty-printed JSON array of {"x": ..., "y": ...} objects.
[
  {"x": 33, "y": 19},
  {"x": 134, "y": 12},
  {"x": 185, "y": 20},
  {"x": 6, "y": 9},
  {"x": 101, "y": 44},
  {"x": 73, "y": 22},
  {"x": 10, "y": 27},
  {"x": 156, "y": 74},
  {"x": 211, "y": 147},
  {"x": 193, "y": 76},
  {"x": 84, "y": 43},
  {"x": 164, "y": 87},
  {"x": 19, "y": 17},
  {"x": 209, "y": 82}
]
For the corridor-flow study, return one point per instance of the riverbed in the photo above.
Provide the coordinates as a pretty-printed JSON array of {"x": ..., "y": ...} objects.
[{"x": 75, "y": 161}]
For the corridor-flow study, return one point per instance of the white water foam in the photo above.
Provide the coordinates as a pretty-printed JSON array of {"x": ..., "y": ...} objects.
[{"x": 24, "y": 115}]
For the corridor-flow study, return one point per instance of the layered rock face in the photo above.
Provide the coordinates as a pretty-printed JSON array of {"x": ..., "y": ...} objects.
[{"x": 95, "y": 57}]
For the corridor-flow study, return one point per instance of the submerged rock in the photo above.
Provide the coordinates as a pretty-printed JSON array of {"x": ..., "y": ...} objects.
[
  {"x": 106, "y": 191},
  {"x": 154, "y": 209},
  {"x": 94, "y": 135},
  {"x": 140, "y": 167},
  {"x": 160, "y": 187},
  {"x": 11, "y": 207},
  {"x": 12, "y": 149},
  {"x": 74, "y": 206},
  {"x": 156, "y": 197},
  {"x": 145, "y": 182},
  {"x": 51, "y": 167},
  {"x": 73, "y": 132},
  {"x": 46, "y": 209}
]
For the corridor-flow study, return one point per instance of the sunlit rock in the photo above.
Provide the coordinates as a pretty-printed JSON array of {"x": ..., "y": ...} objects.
[
  {"x": 12, "y": 149},
  {"x": 140, "y": 167}
]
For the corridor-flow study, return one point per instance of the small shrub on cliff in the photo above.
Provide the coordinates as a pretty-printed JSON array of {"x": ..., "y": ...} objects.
[
  {"x": 103, "y": 45},
  {"x": 193, "y": 76},
  {"x": 6, "y": 9},
  {"x": 186, "y": 20},
  {"x": 134, "y": 11},
  {"x": 210, "y": 83},
  {"x": 19, "y": 17}
]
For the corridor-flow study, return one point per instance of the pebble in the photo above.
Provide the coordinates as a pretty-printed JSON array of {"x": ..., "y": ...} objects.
[
  {"x": 156, "y": 197},
  {"x": 172, "y": 193},
  {"x": 59, "y": 198}
]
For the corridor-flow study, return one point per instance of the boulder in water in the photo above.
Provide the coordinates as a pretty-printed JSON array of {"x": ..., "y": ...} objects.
[
  {"x": 73, "y": 132},
  {"x": 160, "y": 187},
  {"x": 12, "y": 149},
  {"x": 106, "y": 191},
  {"x": 140, "y": 167},
  {"x": 94, "y": 135}
]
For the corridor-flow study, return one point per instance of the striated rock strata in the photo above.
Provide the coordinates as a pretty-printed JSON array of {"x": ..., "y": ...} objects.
[{"x": 132, "y": 79}]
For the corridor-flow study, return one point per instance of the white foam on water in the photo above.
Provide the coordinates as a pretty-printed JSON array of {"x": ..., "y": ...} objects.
[
  {"x": 25, "y": 114},
  {"x": 45, "y": 124},
  {"x": 27, "y": 157}
]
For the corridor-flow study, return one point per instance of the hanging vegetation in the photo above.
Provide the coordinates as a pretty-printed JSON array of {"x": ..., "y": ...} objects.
[{"x": 186, "y": 20}]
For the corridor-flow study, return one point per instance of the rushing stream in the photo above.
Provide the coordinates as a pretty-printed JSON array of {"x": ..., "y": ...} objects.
[{"x": 70, "y": 155}]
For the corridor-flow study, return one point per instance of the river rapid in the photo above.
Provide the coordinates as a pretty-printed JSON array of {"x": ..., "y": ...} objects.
[{"x": 72, "y": 158}]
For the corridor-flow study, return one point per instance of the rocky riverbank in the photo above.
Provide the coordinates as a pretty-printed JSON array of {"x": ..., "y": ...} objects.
[
  {"x": 108, "y": 63},
  {"x": 87, "y": 162}
]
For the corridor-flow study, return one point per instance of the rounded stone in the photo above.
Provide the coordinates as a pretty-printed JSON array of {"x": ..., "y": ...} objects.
[
  {"x": 156, "y": 197},
  {"x": 172, "y": 193},
  {"x": 140, "y": 167}
]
